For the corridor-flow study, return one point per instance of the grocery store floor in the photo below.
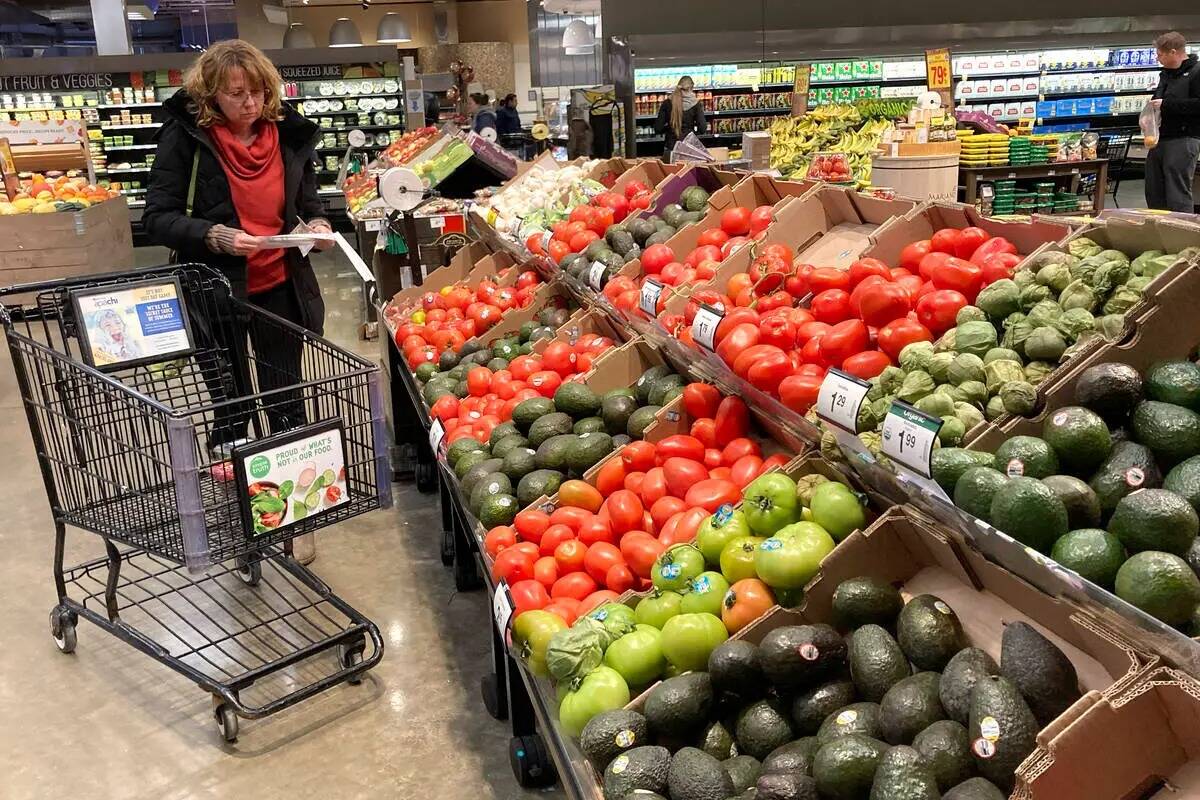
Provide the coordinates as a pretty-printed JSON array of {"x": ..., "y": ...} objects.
[{"x": 111, "y": 724}]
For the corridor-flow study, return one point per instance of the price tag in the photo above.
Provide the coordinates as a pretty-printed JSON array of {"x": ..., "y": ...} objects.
[
  {"x": 596, "y": 275},
  {"x": 648, "y": 300},
  {"x": 908, "y": 437},
  {"x": 437, "y": 432},
  {"x": 937, "y": 73},
  {"x": 840, "y": 398},
  {"x": 437, "y": 223},
  {"x": 373, "y": 225},
  {"x": 547, "y": 237},
  {"x": 704, "y": 326},
  {"x": 502, "y": 610}
]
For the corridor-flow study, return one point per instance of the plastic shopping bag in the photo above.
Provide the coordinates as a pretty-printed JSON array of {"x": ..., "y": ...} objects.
[{"x": 1150, "y": 120}]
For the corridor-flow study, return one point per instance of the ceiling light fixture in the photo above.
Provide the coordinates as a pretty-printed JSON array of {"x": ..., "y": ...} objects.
[
  {"x": 578, "y": 38},
  {"x": 393, "y": 29},
  {"x": 344, "y": 33},
  {"x": 297, "y": 36}
]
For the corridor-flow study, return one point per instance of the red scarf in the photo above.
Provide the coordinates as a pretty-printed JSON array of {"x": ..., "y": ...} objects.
[{"x": 255, "y": 175}]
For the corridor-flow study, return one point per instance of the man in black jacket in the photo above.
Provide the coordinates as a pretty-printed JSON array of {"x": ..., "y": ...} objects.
[{"x": 1171, "y": 164}]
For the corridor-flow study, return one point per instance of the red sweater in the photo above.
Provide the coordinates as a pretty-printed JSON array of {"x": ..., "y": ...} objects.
[{"x": 255, "y": 176}]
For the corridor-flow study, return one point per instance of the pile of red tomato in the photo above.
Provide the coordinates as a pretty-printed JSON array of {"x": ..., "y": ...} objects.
[
  {"x": 446, "y": 319},
  {"x": 603, "y": 539},
  {"x": 492, "y": 396},
  {"x": 857, "y": 319},
  {"x": 587, "y": 223}
]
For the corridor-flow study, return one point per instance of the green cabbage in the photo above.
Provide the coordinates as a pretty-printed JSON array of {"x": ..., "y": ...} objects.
[
  {"x": 1139, "y": 283},
  {"x": 915, "y": 355},
  {"x": 870, "y": 415},
  {"x": 916, "y": 385},
  {"x": 1001, "y": 354},
  {"x": 1113, "y": 255},
  {"x": 1053, "y": 257},
  {"x": 617, "y": 619},
  {"x": 1033, "y": 294},
  {"x": 939, "y": 366},
  {"x": 1078, "y": 295},
  {"x": 890, "y": 379},
  {"x": 965, "y": 367},
  {"x": 1110, "y": 276},
  {"x": 1111, "y": 326},
  {"x": 971, "y": 392},
  {"x": 998, "y": 299},
  {"x": 970, "y": 314},
  {"x": 1038, "y": 371},
  {"x": 951, "y": 432},
  {"x": 1122, "y": 300},
  {"x": 937, "y": 404},
  {"x": 1001, "y": 372},
  {"x": 1055, "y": 276},
  {"x": 1139, "y": 264},
  {"x": 969, "y": 414},
  {"x": 1016, "y": 334},
  {"x": 1023, "y": 278},
  {"x": 994, "y": 409},
  {"x": 1083, "y": 247},
  {"x": 975, "y": 337},
  {"x": 830, "y": 449},
  {"x": 1019, "y": 397},
  {"x": 1045, "y": 344},
  {"x": 1074, "y": 323},
  {"x": 574, "y": 652},
  {"x": 1085, "y": 270},
  {"x": 946, "y": 343}
]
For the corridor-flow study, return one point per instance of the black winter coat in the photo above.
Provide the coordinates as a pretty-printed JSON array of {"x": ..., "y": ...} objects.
[
  {"x": 692, "y": 121},
  {"x": 1179, "y": 89},
  {"x": 168, "y": 224}
]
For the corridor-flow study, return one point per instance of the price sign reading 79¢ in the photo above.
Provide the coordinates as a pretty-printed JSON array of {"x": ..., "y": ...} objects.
[{"x": 938, "y": 74}]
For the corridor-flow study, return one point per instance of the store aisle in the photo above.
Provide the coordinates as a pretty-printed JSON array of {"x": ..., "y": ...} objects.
[{"x": 110, "y": 723}]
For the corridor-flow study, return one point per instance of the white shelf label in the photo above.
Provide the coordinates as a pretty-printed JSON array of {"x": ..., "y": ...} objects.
[
  {"x": 596, "y": 275},
  {"x": 704, "y": 326},
  {"x": 840, "y": 398},
  {"x": 908, "y": 437},
  {"x": 502, "y": 610},
  {"x": 437, "y": 432},
  {"x": 648, "y": 299},
  {"x": 373, "y": 225},
  {"x": 437, "y": 223}
]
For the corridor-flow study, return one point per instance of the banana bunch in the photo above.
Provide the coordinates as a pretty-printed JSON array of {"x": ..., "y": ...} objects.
[{"x": 832, "y": 128}]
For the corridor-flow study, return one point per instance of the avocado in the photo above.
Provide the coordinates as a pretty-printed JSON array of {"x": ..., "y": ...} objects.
[
  {"x": 929, "y": 632},
  {"x": 811, "y": 706},
  {"x": 610, "y": 733},
  {"x": 1042, "y": 673},
  {"x": 577, "y": 400},
  {"x": 497, "y": 364},
  {"x": 556, "y": 423},
  {"x": 761, "y": 727},
  {"x": 645, "y": 382},
  {"x": 1094, "y": 553},
  {"x": 518, "y": 462},
  {"x": 461, "y": 390},
  {"x": 642, "y": 767},
  {"x": 539, "y": 483},
  {"x": 620, "y": 440},
  {"x": 671, "y": 214},
  {"x": 659, "y": 391},
  {"x": 946, "y": 749},
  {"x": 976, "y": 489},
  {"x": 856, "y": 719},
  {"x": 947, "y": 464},
  {"x": 640, "y": 230},
  {"x": 1027, "y": 510},
  {"x": 797, "y": 656},
  {"x": 844, "y": 768},
  {"x": 498, "y": 509},
  {"x": 1170, "y": 431},
  {"x": 1001, "y": 728},
  {"x": 526, "y": 330},
  {"x": 506, "y": 350},
  {"x": 695, "y": 775},
  {"x": 477, "y": 473},
  {"x": 1080, "y": 439},
  {"x": 1184, "y": 480},
  {"x": 903, "y": 775},
  {"x": 975, "y": 789},
  {"x": 1111, "y": 390},
  {"x": 588, "y": 425},
  {"x": 427, "y": 370},
  {"x": 693, "y": 198},
  {"x": 500, "y": 447},
  {"x": 1082, "y": 504},
  {"x": 1161, "y": 584},
  {"x": 494, "y": 484},
  {"x": 1129, "y": 467},
  {"x": 1155, "y": 519},
  {"x": 794, "y": 756},
  {"x": 734, "y": 668},
  {"x": 876, "y": 662},
  {"x": 615, "y": 412},
  {"x": 552, "y": 453},
  {"x": 660, "y": 236},
  {"x": 622, "y": 242},
  {"x": 436, "y": 389},
  {"x": 640, "y": 420},
  {"x": 679, "y": 706},
  {"x": 909, "y": 707},
  {"x": 528, "y": 411},
  {"x": 503, "y": 430},
  {"x": 468, "y": 460},
  {"x": 785, "y": 786},
  {"x": 1026, "y": 456},
  {"x": 1176, "y": 382},
  {"x": 743, "y": 771},
  {"x": 587, "y": 450},
  {"x": 462, "y": 447},
  {"x": 959, "y": 677},
  {"x": 717, "y": 741},
  {"x": 865, "y": 601}
]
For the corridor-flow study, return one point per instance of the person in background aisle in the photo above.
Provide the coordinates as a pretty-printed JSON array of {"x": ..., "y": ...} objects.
[
  {"x": 1171, "y": 166},
  {"x": 680, "y": 114},
  {"x": 507, "y": 118},
  {"x": 235, "y": 164},
  {"x": 482, "y": 115}
]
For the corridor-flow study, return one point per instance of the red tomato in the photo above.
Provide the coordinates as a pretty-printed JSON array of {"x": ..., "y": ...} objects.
[
  {"x": 600, "y": 558},
  {"x": 654, "y": 486},
  {"x": 679, "y": 446},
  {"x": 705, "y": 430},
  {"x": 625, "y": 511},
  {"x": 778, "y": 331},
  {"x": 810, "y": 330},
  {"x": 712, "y": 494},
  {"x": 554, "y": 536},
  {"x": 825, "y": 278},
  {"x": 895, "y": 335},
  {"x": 745, "y": 469},
  {"x": 911, "y": 255},
  {"x": 655, "y": 257},
  {"x": 478, "y": 381},
  {"x": 595, "y": 600},
  {"x": 681, "y": 473},
  {"x": 559, "y": 250},
  {"x": 760, "y": 218},
  {"x": 735, "y": 221},
  {"x": 564, "y": 607},
  {"x": 570, "y": 555},
  {"x": 777, "y": 460},
  {"x": 574, "y": 586},
  {"x": 688, "y": 524},
  {"x": 866, "y": 365},
  {"x": 701, "y": 399},
  {"x": 712, "y": 457},
  {"x": 545, "y": 382},
  {"x": 611, "y": 476},
  {"x": 997, "y": 244},
  {"x": 714, "y": 237},
  {"x": 999, "y": 266},
  {"x": 499, "y": 538},
  {"x": 844, "y": 340},
  {"x": 739, "y": 448},
  {"x": 619, "y": 578},
  {"x": 665, "y": 508},
  {"x": 735, "y": 342},
  {"x": 946, "y": 240},
  {"x": 545, "y": 571},
  {"x": 596, "y": 530},
  {"x": 640, "y": 549},
  {"x": 959, "y": 275},
  {"x": 912, "y": 284},
  {"x": 770, "y": 366},
  {"x": 635, "y": 187},
  {"x": 581, "y": 240},
  {"x": 445, "y": 407},
  {"x": 969, "y": 240},
  {"x": 732, "y": 420},
  {"x": 528, "y": 595},
  {"x": 531, "y": 523},
  {"x": 937, "y": 310},
  {"x": 868, "y": 266},
  {"x": 513, "y": 565},
  {"x": 799, "y": 392},
  {"x": 831, "y": 306},
  {"x": 881, "y": 302},
  {"x": 560, "y": 357},
  {"x": 703, "y": 253}
]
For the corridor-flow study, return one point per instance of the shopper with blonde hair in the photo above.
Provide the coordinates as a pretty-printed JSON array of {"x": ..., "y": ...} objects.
[
  {"x": 234, "y": 165},
  {"x": 680, "y": 114}
]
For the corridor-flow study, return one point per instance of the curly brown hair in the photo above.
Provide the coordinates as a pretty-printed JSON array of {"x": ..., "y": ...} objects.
[{"x": 210, "y": 73}]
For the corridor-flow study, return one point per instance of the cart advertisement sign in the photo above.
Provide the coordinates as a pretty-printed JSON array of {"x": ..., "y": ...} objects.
[
  {"x": 291, "y": 477},
  {"x": 134, "y": 323}
]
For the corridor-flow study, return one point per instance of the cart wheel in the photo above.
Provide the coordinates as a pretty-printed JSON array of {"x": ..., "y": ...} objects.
[
  {"x": 250, "y": 572},
  {"x": 495, "y": 702},
  {"x": 62, "y": 628},
  {"x": 350, "y": 655},
  {"x": 447, "y": 548},
  {"x": 426, "y": 478},
  {"x": 227, "y": 722},
  {"x": 531, "y": 763}
]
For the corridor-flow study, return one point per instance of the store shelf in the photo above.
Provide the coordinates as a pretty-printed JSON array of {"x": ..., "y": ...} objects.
[
  {"x": 130, "y": 170},
  {"x": 366, "y": 128},
  {"x": 312, "y": 114},
  {"x": 130, "y": 147},
  {"x": 340, "y": 96},
  {"x": 127, "y": 105},
  {"x": 1097, "y": 93},
  {"x": 140, "y": 125}
]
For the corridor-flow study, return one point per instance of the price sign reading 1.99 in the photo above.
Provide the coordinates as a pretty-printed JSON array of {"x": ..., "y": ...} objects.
[{"x": 908, "y": 437}]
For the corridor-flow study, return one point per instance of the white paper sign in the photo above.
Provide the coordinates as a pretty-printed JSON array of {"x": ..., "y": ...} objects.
[
  {"x": 908, "y": 437},
  {"x": 437, "y": 223},
  {"x": 502, "y": 610},
  {"x": 596, "y": 275},
  {"x": 304, "y": 241},
  {"x": 704, "y": 326},
  {"x": 648, "y": 299},
  {"x": 840, "y": 399},
  {"x": 437, "y": 432}
]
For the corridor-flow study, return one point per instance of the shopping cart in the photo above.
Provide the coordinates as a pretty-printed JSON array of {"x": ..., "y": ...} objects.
[{"x": 157, "y": 456}]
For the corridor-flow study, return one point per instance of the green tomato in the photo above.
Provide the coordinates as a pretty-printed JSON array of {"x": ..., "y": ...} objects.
[
  {"x": 656, "y": 609},
  {"x": 769, "y": 503},
  {"x": 674, "y": 568},
  {"x": 737, "y": 559},
  {"x": 617, "y": 618},
  {"x": 838, "y": 510},
  {"x": 602, "y": 689},
  {"x": 717, "y": 531},
  {"x": 790, "y": 558},
  {"x": 532, "y": 631},
  {"x": 704, "y": 594},
  {"x": 688, "y": 639},
  {"x": 637, "y": 656}
]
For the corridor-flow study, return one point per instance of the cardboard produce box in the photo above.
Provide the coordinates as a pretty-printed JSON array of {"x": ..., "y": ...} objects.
[
  {"x": 1140, "y": 740},
  {"x": 41, "y": 247}
]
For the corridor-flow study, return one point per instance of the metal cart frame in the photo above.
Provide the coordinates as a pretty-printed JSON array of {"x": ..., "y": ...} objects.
[{"x": 138, "y": 456}]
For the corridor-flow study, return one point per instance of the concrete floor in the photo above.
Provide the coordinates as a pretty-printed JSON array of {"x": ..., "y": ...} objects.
[{"x": 109, "y": 723}]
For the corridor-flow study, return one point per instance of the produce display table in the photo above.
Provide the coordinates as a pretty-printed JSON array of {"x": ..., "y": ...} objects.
[{"x": 973, "y": 176}]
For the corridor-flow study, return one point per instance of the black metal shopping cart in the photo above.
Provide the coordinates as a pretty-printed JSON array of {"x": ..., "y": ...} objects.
[{"x": 197, "y": 460}]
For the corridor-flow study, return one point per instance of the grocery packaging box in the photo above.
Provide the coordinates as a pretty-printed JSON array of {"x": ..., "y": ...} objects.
[
  {"x": 41, "y": 247},
  {"x": 1140, "y": 740}
]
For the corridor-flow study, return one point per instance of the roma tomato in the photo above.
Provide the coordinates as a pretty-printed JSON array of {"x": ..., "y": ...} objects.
[
  {"x": 946, "y": 240},
  {"x": 638, "y": 456},
  {"x": 574, "y": 586},
  {"x": 799, "y": 392},
  {"x": 689, "y": 524},
  {"x": 712, "y": 458},
  {"x": 825, "y": 278},
  {"x": 735, "y": 221},
  {"x": 681, "y": 473},
  {"x": 679, "y": 446},
  {"x": 664, "y": 508},
  {"x": 640, "y": 549},
  {"x": 531, "y": 523},
  {"x": 734, "y": 343},
  {"x": 997, "y": 244},
  {"x": 737, "y": 448},
  {"x": 937, "y": 310},
  {"x": 545, "y": 571},
  {"x": 633, "y": 482},
  {"x": 732, "y": 420},
  {"x": 769, "y": 366},
  {"x": 597, "y": 599},
  {"x": 969, "y": 240},
  {"x": 619, "y": 578},
  {"x": 831, "y": 306},
  {"x": 700, "y": 399},
  {"x": 712, "y": 237},
  {"x": 911, "y": 255},
  {"x": 778, "y": 331},
  {"x": 624, "y": 511},
  {"x": 580, "y": 494},
  {"x": 498, "y": 539},
  {"x": 745, "y": 469},
  {"x": 654, "y": 487},
  {"x": 882, "y": 302},
  {"x": 931, "y": 262},
  {"x": 866, "y": 365},
  {"x": 566, "y": 608},
  {"x": 553, "y": 537},
  {"x": 571, "y": 516},
  {"x": 999, "y": 266},
  {"x": 600, "y": 558},
  {"x": 570, "y": 555},
  {"x": 611, "y": 476},
  {"x": 712, "y": 494},
  {"x": 528, "y": 595},
  {"x": 706, "y": 431},
  {"x": 844, "y": 340},
  {"x": 513, "y": 565},
  {"x": 596, "y": 530},
  {"x": 959, "y": 275},
  {"x": 894, "y": 336},
  {"x": 868, "y": 266},
  {"x": 810, "y": 330}
]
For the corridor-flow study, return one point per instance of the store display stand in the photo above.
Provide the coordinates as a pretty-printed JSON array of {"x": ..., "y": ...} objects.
[{"x": 973, "y": 176}]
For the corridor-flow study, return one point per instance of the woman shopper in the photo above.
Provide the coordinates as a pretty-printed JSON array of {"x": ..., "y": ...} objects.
[
  {"x": 680, "y": 114},
  {"x": 235, "y": 164},
  {"x": 482, "y": 115},
  {"x": 1171, "y": 165}
]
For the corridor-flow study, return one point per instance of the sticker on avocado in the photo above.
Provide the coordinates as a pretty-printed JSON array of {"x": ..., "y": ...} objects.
[
  {"x": 847, "y": 717},
  {"x": 989, "y": 729},
  {"x": 624, "y": 738},
  {"x": 1015, "y": 468},
  {"x": 1060, "y": 418},
  {"x": 619, "y": 764},
  {"x": 809, "y": 652},
  {"x": 983, "y": 748},
  {"x": 1134, "y": 477},
  {"x": 942, "y": 607}
]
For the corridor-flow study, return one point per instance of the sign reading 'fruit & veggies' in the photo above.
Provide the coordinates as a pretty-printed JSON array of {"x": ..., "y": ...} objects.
[{"x": 292, "y": 476}]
